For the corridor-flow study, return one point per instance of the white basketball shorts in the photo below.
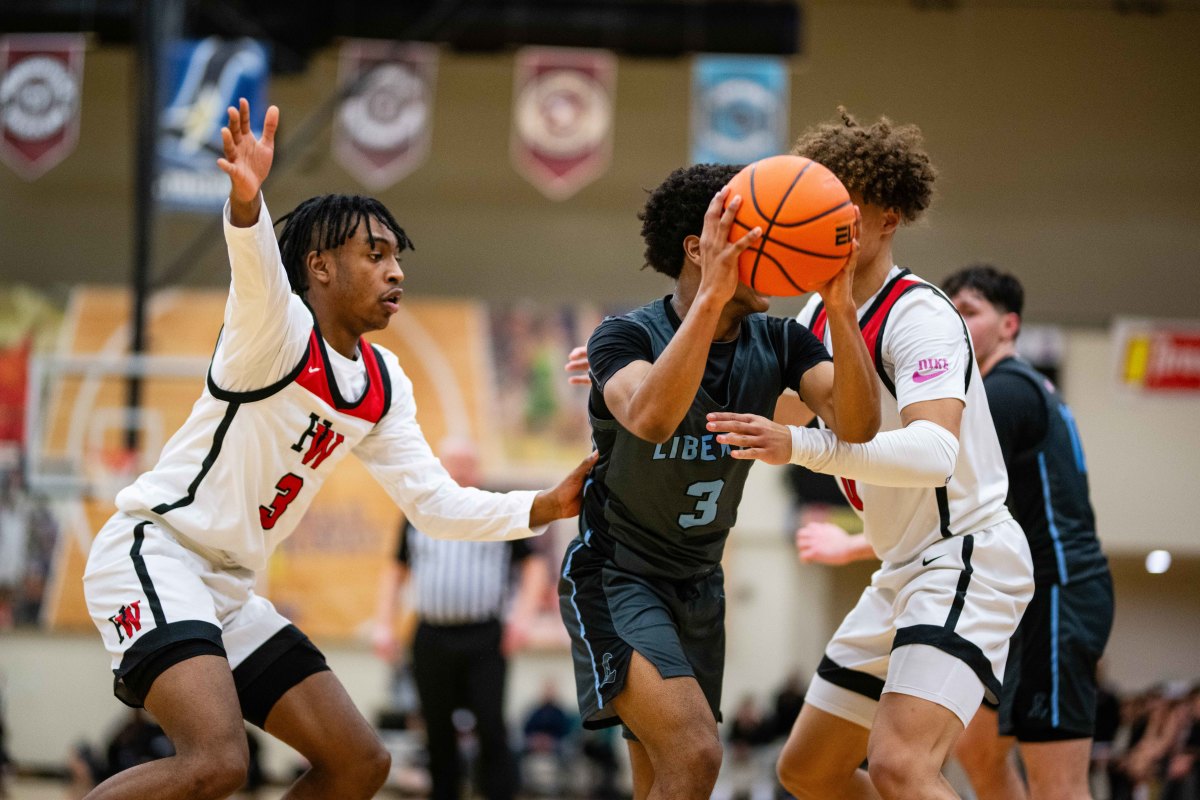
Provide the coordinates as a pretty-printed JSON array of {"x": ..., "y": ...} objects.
[
  {"x": 146, "y": 593},
  {"x": 935, "y": 627}
]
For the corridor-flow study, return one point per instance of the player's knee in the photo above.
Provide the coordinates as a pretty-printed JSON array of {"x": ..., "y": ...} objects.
[
  {"x": 801, "y": 777},
  {"x": 705, "y": 760},
  {"x": 896, "y": 773},
  {"x": 219, "y": 772},
  {"x": 367, "y": 772}
]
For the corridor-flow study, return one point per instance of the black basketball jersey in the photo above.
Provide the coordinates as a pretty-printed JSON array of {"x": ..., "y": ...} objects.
[
  {"x": 1048, "y": 484},
  {"x": 664, "y": 510}
]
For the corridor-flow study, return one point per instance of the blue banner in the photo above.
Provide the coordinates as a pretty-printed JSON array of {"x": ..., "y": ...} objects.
[
  {"x": 739, "y": 108},
  {"x": 202, "y": 78}
]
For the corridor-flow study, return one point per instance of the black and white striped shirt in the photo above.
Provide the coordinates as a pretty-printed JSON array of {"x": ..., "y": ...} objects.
[{"x": 458, "y": 582}]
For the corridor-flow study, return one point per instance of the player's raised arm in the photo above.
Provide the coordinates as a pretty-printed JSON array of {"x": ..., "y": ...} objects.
[
  {"x": 846, "y": 397},
  {"x": 247, "y": 161},
  {"x": 650, "y": 400}
]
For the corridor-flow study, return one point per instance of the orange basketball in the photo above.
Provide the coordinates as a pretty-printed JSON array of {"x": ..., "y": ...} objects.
[{"x": 807, "y": 221}]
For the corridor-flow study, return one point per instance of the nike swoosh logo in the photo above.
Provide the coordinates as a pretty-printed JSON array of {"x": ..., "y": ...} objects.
[
  {"x": 314, "y": 369},
  {"x": 921, "y": 377},
  {"x": 925, "y": 562}
]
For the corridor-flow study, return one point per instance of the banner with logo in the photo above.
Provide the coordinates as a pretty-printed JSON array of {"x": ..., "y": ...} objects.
[
  {"x": 1158, "y": 355},
  {"x": 385, "y": 121},
  {"x": 739, "y": 109},
  {"x": 563, "y": 102},
  {"x": 40, "y": 80},
  {"x": 202, "y": 79}
]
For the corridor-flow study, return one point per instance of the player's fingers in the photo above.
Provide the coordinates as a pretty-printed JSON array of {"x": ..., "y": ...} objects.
[
  {"x": 225, "y": 167},
  {"x": 227, "y": 144},
  {"x": 270, "y": 123},
  {"x": 749, "y": 453},
  {"x": 579, "y": 380},
  {"x": 244, "y": 108},
  {"x": 749, "y": 239},
  {"x": 234, "y": 127},
  {"x": 579, "y": 351},
  {"x": 712, "y": 216}
]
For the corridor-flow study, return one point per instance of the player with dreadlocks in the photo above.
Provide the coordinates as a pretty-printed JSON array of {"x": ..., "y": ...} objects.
[{"x": 292, "y": 389}]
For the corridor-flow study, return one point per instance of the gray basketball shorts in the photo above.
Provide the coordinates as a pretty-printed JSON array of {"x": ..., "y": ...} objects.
[{"x": 678, "y": 626}]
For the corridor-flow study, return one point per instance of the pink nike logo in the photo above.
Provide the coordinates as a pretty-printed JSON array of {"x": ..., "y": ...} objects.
[
  {"x": 921, "y": 377},
  {"x": 314, "y": 369}
]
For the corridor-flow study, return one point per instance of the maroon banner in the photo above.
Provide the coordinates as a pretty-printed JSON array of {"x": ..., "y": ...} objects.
[
  {"x": 40, "y": 80},
  {"x": 563, "y": 117},
  {"x": 384, "y": 123}
]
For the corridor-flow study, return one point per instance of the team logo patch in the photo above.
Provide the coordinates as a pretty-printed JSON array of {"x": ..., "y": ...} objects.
[
  {"x": 127, "y": 621},
  {"x": 930, "y": 368},
  {"x": 610, "y": 676}
]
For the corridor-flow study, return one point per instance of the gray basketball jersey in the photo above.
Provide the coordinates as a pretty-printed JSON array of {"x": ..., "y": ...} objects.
[{"x": 665, "y": 509}]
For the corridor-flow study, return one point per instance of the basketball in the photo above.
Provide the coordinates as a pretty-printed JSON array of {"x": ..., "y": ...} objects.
[{"x": 807, "y": 221}]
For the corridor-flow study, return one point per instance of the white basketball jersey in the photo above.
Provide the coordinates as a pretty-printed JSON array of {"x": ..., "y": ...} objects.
[
  {"x": 922, "y": 351},
  {"x": 271, "y": 425}
]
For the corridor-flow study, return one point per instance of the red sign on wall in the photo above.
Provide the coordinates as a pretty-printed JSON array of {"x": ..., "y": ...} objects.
[
  {"x": 1159, "y": 356},
  {"x": 40, "y": 80}
]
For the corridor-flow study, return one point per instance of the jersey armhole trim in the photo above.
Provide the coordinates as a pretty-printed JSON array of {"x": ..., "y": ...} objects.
[{"x": 255, "y": 395}]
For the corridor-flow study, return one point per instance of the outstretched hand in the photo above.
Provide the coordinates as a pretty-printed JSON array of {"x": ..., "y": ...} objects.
[
  {"x": 824, "y": 543},
  {"x": 757, "y": 437},
  {"x": 247, "y": 160},
  {"x": 564, "y": 500},
  {"x": 577, "y": 364}
]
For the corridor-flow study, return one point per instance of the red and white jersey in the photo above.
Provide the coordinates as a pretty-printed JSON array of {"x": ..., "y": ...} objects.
[
  {"x": 922, "y": 351},
  {"x": 274, "y": 421}
]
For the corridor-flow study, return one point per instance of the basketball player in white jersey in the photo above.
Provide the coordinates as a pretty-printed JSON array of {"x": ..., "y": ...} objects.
[
  {"x": 929, "y": 637},
  {"x": 293, "y": 388}
]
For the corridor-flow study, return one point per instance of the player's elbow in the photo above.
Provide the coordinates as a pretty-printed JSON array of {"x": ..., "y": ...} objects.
[
  {"x": 859, "y": 428},
  {"x": 650, "y": 425}
]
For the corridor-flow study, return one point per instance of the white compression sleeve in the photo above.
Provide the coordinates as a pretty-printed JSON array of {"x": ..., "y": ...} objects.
[{"x": 922, "y": 454}]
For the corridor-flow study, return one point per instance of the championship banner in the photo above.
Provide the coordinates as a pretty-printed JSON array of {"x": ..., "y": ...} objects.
[
  {"x": 739, "y": 109},
  {"x": 1157, "y": 355},
  {"x": 203, "y": 78},
  {"x": 385, "y": 121},
  {"x": 563, "y": 117},
  {"x": 40, "y": 80}
]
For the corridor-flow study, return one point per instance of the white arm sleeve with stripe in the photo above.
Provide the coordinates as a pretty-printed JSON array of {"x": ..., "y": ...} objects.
[{"x": 923, "y": 454}]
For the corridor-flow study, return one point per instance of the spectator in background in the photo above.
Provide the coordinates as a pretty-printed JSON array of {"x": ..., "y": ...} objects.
[
  {"x": 547, "y": 755},
  {"x": 788, "y": 702},
  {"x": 459, "y": 593}
]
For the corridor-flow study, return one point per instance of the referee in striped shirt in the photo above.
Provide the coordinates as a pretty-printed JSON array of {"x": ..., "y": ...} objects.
[{"x": 459, "y": 593}]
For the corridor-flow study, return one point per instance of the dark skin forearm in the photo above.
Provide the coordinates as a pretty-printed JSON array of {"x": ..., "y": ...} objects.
[{"x": 855, "y": 400}]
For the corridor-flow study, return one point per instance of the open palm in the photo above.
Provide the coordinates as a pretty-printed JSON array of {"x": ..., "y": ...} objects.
[{"x": 247, "y": 160}]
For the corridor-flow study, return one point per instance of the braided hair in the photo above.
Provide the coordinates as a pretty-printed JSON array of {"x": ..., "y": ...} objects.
[{"x": 326, "y": 222}]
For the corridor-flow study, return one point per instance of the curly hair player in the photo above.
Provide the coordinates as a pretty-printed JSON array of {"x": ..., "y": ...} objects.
[
  {"x": 292, "y": 389},
  {"x": 928, "y": 639},
  {"x": 641, "y": 589}
]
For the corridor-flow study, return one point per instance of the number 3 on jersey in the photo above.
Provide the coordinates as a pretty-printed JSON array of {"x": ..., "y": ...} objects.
[
  {"x": 706, "y": 506},
  {"x": 288, "y": 488}
]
